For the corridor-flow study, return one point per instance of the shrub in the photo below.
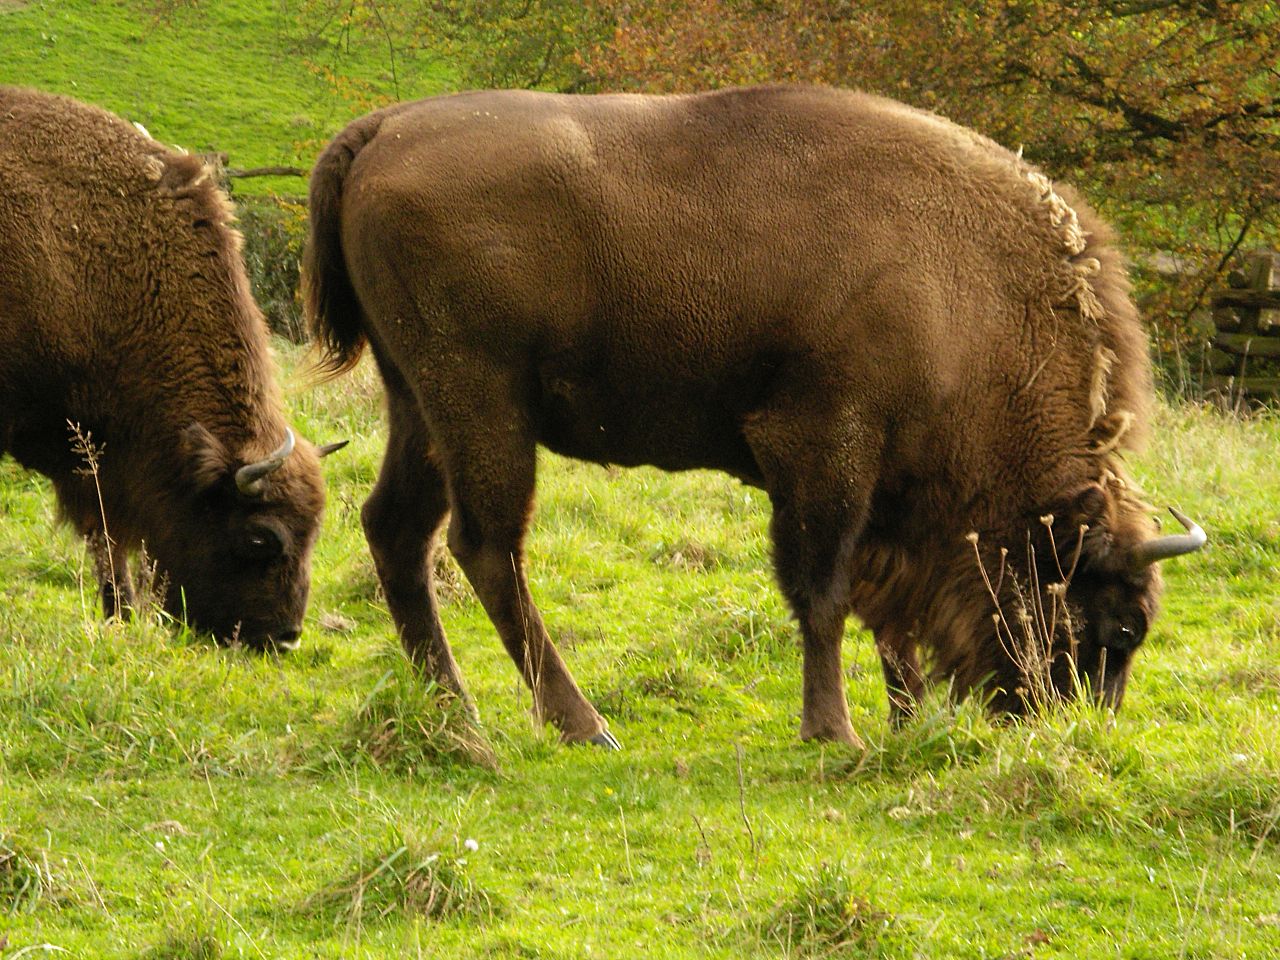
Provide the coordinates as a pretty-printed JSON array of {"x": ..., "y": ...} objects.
[{"x": 275, "y": 232}]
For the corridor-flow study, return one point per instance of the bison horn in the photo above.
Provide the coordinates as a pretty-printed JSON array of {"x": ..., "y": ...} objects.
[
  {"x": 249, "y": 477},
  {"x": 327, "y": 448},
  {"x": 1173, "y": 545}
]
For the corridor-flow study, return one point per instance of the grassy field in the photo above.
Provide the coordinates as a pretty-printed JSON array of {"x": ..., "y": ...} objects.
[
  {"x": 163, "y": 797},
  {"x": 240, "y": 76}
]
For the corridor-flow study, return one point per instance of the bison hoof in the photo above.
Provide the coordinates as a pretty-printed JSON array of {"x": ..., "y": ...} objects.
[
  {"x": 843, "y": 735},
  {"x": 607, "y": 740}
]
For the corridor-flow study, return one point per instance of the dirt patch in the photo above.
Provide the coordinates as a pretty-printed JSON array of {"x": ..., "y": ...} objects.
[{"x": 12, "y": 6}]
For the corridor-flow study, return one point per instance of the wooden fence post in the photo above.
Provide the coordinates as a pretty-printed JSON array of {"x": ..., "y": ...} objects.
[{"x": 1245, "y": 358}]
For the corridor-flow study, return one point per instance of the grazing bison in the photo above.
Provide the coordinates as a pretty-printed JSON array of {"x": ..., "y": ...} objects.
[
  {"x": 901, "y": 331},
  {"x": 126, "y": 318}
]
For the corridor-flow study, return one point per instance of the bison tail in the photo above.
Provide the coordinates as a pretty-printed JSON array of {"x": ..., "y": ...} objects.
[{"x": 332, "y": 308}]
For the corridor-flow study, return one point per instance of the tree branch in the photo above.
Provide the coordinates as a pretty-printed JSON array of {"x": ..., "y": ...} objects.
[{"x": 266, "y": 172}]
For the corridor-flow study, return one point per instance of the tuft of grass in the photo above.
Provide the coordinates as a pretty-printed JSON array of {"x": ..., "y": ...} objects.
[
  {"x": 405, "y": 877},
  {"x": 405, "y": 724},
  {"x": 943, "y": 735},
  {"x": 1233, "y": 796},
  {"x": 1062, "y": 768},
  {"x": 731, "y": 630},
  {"x": 685, "y": 553},
  {"x": 829, "y": 915},
  {"x": 662, "y": 678},
  {"x": 25, "y": 876},
  {"x": 451, "y": 583},
  {"x": 186, "y": 945}
]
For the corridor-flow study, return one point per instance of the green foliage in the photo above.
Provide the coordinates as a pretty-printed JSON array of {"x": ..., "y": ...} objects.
[
  {"x": 275, "y": 232},
  {"x": 490, "y": 43}
]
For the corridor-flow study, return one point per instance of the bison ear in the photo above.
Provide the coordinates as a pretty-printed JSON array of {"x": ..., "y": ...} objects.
[
  {"x": 208, "y": 461},
  {"x": 1087, "y": 506}
]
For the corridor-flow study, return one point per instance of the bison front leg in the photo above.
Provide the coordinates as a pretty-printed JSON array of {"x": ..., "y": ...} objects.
[
  {"x": 902, "y": 676},
  {"x": 111, "y": 570},
  {"x": 818, "y": 481}
]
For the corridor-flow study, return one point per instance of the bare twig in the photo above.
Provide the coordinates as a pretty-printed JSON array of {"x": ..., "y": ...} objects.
[
  {"x": 742, "y": 802},
  {"x": 703, "y": 853}
]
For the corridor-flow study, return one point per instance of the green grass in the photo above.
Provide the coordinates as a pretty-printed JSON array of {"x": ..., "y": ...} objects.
[
  {"x": 168, "y": 798},
  {"x": 241, "y": 76}
]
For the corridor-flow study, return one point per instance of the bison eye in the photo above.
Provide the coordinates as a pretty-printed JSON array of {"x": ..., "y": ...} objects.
[
  {"x": 263, "y": 543},
  {"x": 1124, "y": 638}
]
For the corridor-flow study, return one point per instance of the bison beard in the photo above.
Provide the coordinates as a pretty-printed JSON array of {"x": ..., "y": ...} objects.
[
  {"x": 125, "y": 313},
  {"x": 901, "y": 331}
]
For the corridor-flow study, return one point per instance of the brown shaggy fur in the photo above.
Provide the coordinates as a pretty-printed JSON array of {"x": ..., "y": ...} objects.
[
  {"x": 125, "y": 310},
  {"x": 900, "y": 330}
]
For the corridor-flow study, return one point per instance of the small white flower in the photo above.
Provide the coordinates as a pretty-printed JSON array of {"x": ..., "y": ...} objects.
[
  {"x": 471, "y": 844},
  {"x": 160, "y": 845}
]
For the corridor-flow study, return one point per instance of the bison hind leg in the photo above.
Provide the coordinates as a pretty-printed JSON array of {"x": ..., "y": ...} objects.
[
  {"x": 401, "y": 519},
  {"x": 486, "y": 535},
  {"x": 488, "y": 454}
]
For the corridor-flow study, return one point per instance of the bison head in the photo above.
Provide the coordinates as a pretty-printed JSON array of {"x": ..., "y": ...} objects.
[
  {"x": 235, "y": 549},
  {"x": 1104, "y": 557}
]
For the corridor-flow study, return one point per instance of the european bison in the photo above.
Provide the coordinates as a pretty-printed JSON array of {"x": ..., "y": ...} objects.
[
  {"x": 902, "y": 332},
  {"x": 125, "y": 316}
]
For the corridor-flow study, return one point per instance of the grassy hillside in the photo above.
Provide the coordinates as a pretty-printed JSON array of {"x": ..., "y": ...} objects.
[
  {"x": 163, "y": 795},
  {"x": 242, "y": 76}
]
